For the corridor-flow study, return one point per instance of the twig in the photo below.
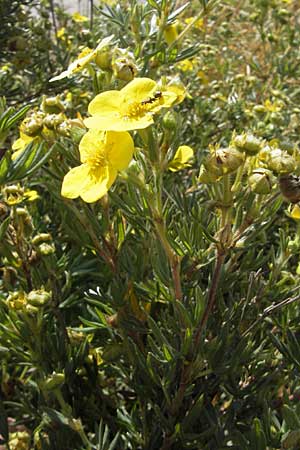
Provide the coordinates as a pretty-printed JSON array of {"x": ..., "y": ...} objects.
[
  {"x": 211, "y": 294},
  {"x": 270, "y": 310}
]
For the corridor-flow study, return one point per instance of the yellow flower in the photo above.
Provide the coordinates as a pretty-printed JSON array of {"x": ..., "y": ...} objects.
[
  {"x": 31, "y": 195},
  {"x": 171, "y": 33},
  {"x": 131, "y": 108},
  {"x": 185, "y": 65},
  {"x": 294, "y": 212},
  {"x": 84, "y": 58},
  {"x": 20, "y": 144},
  {"x": 199, "y": 24},
  {"x": 103, "y": 154},
  {"x": 61, "y": 33},
  {"x": 181, "y": 158},
  {"x": 79, "y": 18},
  {"x": 272, "y": 107}
]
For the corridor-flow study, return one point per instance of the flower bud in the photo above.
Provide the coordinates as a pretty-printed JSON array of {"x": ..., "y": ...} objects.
[
  {"x": 103, "y": 59},
  {"x": 13, "y": 195},
  {"x": 25, "y": 218},
  {"x": 52, "y": 121},
  {"x": 229, "y": 159},
  {"x": 123, "y": 65},
  {"x": 33, "y": 124},
  {"x": 247, "y": 143},
  {"x": 41, "y": 237},
  {"x": 261, "y": 181},
  {"x": 52, "y": 105},
  {"x": 39, "y": 297},
  {"x": 280, "y": 161},
  {"x": 17, "y": 300},
  {"x": 53, "y": 381},
  {"x": 170, "y": 121},
  {"x": 46, "y": 249}
]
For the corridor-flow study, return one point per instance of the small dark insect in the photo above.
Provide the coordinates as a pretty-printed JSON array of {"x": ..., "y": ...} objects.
[
  {"x": 290, "y": 187},
  {"x": 155, "y": 97}
]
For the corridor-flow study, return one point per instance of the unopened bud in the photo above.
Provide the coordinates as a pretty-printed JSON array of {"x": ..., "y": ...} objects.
[
  {"x": 53, "y": 381},
  {"x": 52, "y": 105},
  {"x": 13, "y": 194},
  {"x": 103, "y": 59},
  {"x": 52, "y": 121},
  {"x": 229, "y": 159},
  {"x": 261, "y": 181},
  {"x": 33, "y": 124},
  {"x": 247, "y": 143},
  {"x": 46, "y": 249},
  {"x": 41, "y": 237},
  {"x": 280, "y": 161},
  {"x": 170, "y": 121},
  {"x": 123, "y": 65},
  {"x": 38, "y": 297}
]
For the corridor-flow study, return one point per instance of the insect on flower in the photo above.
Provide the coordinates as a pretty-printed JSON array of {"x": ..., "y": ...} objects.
[{"x": 153, "y": 99}]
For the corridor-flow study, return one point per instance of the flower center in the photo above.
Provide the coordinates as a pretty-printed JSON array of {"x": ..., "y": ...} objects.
[
  {"x": 97, "y": 160},
  {"x": 139, "y": 109}
]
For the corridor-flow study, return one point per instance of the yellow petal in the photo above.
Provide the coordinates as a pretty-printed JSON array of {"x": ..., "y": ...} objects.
[
  {"x": 89, "y": 184},
  {"x": 98, "y": 184},
  {"x": 91, "y": 144},
  {"x": 181, "y": 158},
  {"x": 121, "y": 149},
  {"x": 139, "y": 90},
  {"x": 295, "y": 212},
  {"x": 21, "y": 143},
  {"x": 118, "y": 123},
  {"x": 106, "y": 103}
]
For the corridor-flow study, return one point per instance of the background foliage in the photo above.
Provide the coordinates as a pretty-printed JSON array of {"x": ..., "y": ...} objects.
[{"x": 104, "y": 338}]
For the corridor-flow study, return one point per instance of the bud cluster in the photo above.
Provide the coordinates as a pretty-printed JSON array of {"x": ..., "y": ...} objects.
[{"x": 28, "y": 303}]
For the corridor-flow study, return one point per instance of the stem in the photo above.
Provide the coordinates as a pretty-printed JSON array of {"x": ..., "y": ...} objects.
[
  {"x": 211, "y": 294},
  {"x": 174, "y": 259},
  {"x": 270, "y": 310}
]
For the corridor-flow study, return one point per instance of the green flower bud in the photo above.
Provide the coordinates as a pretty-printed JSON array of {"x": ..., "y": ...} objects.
[
  {"x": 46, "y": 249},
  {"x": 280, "y": 161},
  {"x": 123, "y": 65},
  {"x": 170, "y": 121},
  {"x": 247, "y": 143},
  {"x": 25, "y": 218},
  {"x": 288, "y": 147},
  {"x": 228, "y": 159},
  {"x": 52, "y": 121},
  {"x": 32, "y": 125},
  {"x": 52, "y": 105},
  {"x": 103, "y": 59},
  {"x": 41, "y": 237},
  {"x": 30, "y": 309},
  {"x": 259, "y": 109},
  {"x": 53, "y": 381},
  {"x": 39, "y": 297},
  {"x": 261, "y": 181},
  {"x": 77, "y": 129}
]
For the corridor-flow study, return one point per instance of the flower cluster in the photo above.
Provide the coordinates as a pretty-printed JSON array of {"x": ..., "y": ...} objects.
[{"x": 107, "y": 147}]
